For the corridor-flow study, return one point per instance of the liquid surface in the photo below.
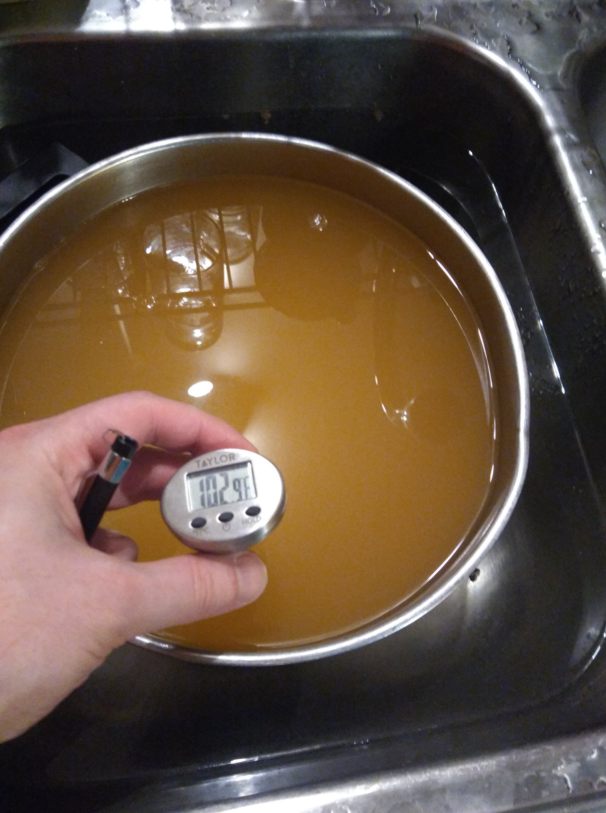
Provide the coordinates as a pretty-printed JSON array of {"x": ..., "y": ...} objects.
[{"x": 328, "y": 335}]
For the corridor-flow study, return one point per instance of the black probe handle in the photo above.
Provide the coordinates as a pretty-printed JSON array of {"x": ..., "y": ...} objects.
[{"x": 95, "y": 503}]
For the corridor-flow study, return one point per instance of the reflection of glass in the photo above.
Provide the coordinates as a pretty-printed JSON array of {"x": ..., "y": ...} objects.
[
  {"x": 392, "y": 284},
  {"x": 197, "y": 321},
  {"x": 420, "y": 331},
  {"x": 235, "y": 224},
  {"x": 185, "y": 269}
]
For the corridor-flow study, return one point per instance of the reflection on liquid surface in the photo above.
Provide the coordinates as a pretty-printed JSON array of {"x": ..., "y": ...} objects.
[{"x": 328, "y": 335}]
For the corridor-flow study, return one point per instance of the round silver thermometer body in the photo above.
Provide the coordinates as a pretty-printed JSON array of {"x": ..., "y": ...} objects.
[{"x": 224, "y": 501}]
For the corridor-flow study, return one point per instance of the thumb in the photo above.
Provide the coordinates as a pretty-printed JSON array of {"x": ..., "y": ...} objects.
[{"x": 189, "y": 588}]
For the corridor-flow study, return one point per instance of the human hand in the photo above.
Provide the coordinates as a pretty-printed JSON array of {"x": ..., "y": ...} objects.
[{"x": 65, "y": 605}]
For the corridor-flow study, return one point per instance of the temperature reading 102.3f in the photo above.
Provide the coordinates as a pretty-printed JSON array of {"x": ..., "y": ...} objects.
[{"x": 220, "y": 486}]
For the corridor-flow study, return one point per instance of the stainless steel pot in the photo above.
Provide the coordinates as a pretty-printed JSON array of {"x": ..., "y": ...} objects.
[{"x": 60, "y": 213}]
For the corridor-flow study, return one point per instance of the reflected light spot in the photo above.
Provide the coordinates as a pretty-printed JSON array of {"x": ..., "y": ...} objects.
[{"x": 200, "y": 388}]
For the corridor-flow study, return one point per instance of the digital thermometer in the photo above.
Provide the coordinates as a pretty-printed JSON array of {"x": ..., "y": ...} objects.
[{"x": 224, "y": 501}]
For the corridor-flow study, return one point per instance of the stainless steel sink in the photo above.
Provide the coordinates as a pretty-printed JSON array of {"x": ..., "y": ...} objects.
[{"x": 495, "y": 120}]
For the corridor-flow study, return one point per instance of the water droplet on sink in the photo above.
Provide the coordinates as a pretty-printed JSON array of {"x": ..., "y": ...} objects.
[
  {"x": 380, "y": 8},
  {"x": 528, "y": 24},
  {"x": 589, "y": 165},
  {"x": 426, "y": 17},
  {"x": 574, "y": 13}
]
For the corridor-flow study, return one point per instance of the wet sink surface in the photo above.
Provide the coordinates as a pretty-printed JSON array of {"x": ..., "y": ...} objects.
[
  {"x": 593, "y": 98},
  {"x": 515, "y": 655}
]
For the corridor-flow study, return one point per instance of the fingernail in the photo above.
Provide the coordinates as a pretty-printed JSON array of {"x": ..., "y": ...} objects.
[{"x": 252, "y": 575}]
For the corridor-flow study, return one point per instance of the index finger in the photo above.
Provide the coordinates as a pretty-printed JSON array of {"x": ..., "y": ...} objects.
[{"x": 78, "y": 437}]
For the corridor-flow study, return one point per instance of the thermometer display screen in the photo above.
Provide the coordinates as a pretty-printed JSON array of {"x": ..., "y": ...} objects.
[{"x": 220, "y": 486}]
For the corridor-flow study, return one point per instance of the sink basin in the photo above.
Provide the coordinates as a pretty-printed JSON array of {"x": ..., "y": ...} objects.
[{"x": 526, "y": 663}]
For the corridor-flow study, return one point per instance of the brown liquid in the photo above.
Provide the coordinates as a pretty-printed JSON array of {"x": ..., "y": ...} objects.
[{"x": 334, "y": 341}]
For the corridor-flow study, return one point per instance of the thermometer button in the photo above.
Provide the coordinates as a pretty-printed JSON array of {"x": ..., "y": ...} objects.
[
  {"x": 198, "y": 522},
  {"x": 226, "y": 516},
  {"x": 253, "y": 511}
]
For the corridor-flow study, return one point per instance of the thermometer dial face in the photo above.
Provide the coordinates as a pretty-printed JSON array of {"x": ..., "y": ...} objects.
[{"x": 224, "y": 501}]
